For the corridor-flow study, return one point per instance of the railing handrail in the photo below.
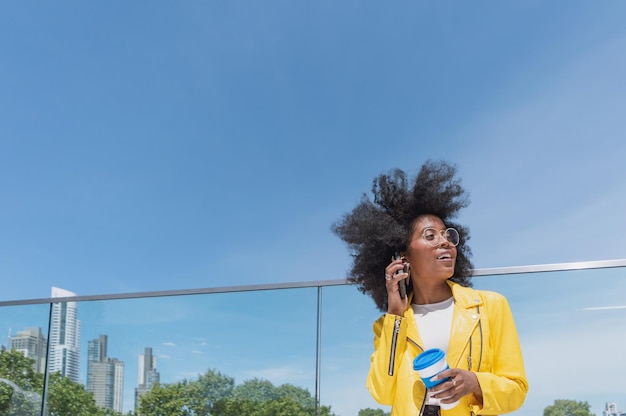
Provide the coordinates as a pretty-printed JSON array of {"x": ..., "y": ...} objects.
[{"x": 554, "y": 267}]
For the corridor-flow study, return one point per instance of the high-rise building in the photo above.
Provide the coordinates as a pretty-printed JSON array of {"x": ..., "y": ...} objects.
[
  {"x": 32, "y": 343},
  {"x": 97, "y": 348},
  {"x": 105, "y": 375},
  {"x": 148, "y": 375},
  {"x": 64, "y": 356},
  {"x": 96, "y": 352},
  {"x": 610, "y": 409},
  {"x": 118, "y": 384}
]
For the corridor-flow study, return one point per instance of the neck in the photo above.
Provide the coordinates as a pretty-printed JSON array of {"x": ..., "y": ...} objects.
[{"x": 425, "y": 294}]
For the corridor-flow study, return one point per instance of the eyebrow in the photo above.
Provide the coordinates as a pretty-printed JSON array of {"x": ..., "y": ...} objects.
[{"x": 435, "y": 228}]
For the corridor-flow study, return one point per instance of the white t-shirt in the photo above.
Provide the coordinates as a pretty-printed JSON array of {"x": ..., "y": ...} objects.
[{"x": 434, "y": 322}]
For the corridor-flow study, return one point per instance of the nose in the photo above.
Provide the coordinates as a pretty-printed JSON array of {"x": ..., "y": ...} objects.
[{"x": 443, "y": 240}]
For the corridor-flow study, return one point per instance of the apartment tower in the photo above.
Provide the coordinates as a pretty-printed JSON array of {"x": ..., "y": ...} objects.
[
  {"x": 64, "y": 356},
  {"x": 32, "y": 343},
  {"x": 105, "y": 375},
  {"x": 148, "y": 375}
]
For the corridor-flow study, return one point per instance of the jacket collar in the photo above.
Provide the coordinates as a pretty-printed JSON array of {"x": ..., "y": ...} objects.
[
  {"x": 465, "y": 297},
  {"x": 467, "y": 307}
]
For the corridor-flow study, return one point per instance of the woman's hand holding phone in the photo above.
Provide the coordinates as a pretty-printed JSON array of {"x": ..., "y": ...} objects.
[{"x": 396, "y": 274}]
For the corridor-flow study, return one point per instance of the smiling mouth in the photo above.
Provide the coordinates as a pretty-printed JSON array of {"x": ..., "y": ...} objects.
[{"x": 444, "y": 257}]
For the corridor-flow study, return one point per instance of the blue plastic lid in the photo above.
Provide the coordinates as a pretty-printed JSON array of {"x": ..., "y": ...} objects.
[{"x": 428, "y": 358}]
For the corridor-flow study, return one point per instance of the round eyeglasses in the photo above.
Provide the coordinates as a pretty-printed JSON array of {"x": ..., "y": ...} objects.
[{"x": 434, "y": 237}]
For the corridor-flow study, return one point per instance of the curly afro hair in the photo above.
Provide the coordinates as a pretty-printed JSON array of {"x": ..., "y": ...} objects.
[{"x": 375, "y": 230}]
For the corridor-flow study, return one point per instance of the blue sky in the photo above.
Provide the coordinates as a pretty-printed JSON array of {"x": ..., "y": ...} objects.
[
  {"x": 158, "y": 145},
  {"x": 166, "y": 146}
]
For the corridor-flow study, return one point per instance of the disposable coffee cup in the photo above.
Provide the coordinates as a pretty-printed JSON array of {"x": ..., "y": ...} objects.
[{"x": 428, "y": 364}]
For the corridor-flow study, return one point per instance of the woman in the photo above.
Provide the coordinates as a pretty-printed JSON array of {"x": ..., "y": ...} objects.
[{"x": 407, "y": 233}]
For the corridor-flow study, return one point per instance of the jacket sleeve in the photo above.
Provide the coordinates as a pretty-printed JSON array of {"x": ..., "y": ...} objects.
[
  {"x": 504, "y": 385},
  {"x": 389, "y": 346}
]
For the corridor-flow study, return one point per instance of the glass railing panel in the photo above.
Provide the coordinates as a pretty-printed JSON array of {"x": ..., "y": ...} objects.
[
  {"x": 22, "y": 358},
  {"x": 250, "y": 339},
  {"x": 563, "y": 318},
  {"x": 347, "y": 318},
  {"x": 211, "y": 342},
  {"x": 572, "y": 329}
]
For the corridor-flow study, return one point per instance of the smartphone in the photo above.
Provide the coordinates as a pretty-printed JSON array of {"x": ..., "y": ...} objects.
[{"x": 402, "y": 283}]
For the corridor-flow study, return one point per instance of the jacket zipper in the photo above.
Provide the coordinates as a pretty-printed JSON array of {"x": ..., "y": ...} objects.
[
  {"x": 480, "y": 330},
  {"x": 423, "y": 402},
  {"x": 394, "y": 341}
]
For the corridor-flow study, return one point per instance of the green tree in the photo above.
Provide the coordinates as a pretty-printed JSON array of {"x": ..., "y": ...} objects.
[
  {"x": 256, "y": 390},
  {"x": 68, "y": 398},
  {"x": 238, "y": 406},
  {"x": 20, "y": 386},
  {"x": 568, "y": 408},
  {"x": 180, "y": 399},
  {"x": 283, "y": 406},
  {"x": 20, "y": 393},
  {"x": 300, "y": 395},
  {"x": 187, "y": 397},
  {"x": 215, "y": 385},
  {"x": 372, "y": 412},
  {"x": 259, "y": 390},
  {"x": 215, "y": 394}
]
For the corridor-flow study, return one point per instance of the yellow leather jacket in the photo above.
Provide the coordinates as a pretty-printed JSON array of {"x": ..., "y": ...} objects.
[{"x": 483, "y": 340}]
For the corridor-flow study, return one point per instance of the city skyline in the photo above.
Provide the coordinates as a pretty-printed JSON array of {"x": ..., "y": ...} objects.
[{"x": 104, "y": 374}]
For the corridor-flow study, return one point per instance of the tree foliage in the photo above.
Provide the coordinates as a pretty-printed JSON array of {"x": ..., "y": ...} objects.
[
  {"x": 20, "y": 393},
  {"x": 68, "y": 398},
  {"x": 20, "y": 386},
  {"x": 284, "y": 406},
  {"x": 211, "y": 394},
  {"x": 568, "y": 408},
  {"x": 256, "y": 390},
  {"x": 215, "y": 385},
  {"x": 372, "y": 412},
  {"x": 215, "y": 394},
  {"x": 183, "y": 398}
]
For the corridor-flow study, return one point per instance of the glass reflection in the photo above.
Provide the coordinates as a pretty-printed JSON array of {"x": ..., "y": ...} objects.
[
  {"x": 262, "y": 339},
  {"x": 263, "y": 343},
  {"x": 570, "y": 323},
  {"x": 347, "y": 318},
  {"x": 23, "y": 358}
]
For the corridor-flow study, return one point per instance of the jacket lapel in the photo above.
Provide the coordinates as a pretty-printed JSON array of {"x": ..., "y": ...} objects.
[
  {"x": 464, "y": 322},
  {"x": 412, "y": 333}
]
